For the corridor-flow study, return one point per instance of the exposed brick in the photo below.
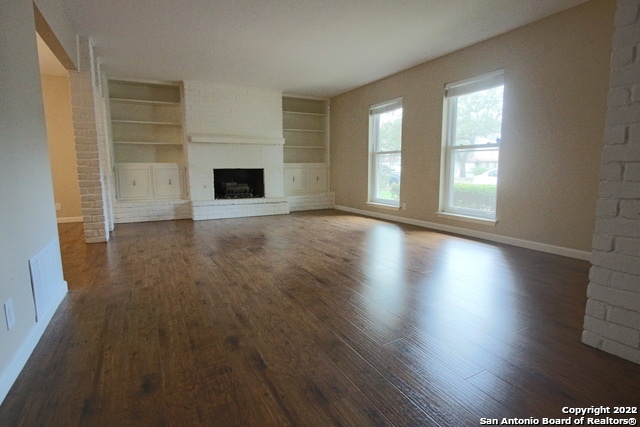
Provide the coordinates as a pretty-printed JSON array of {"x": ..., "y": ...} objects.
[
  {"x": 607, "y": 208},
  {"x": 623, "y": 190},
  {"x": 635, "y": 94},
  {"x": 624, "y": 317},
  {"x": 634, "y": 133},
  {"x": 624, "y": 77},
  {"x": 611, "y": 172},
  {"x": 602, "y": 242},
  {"x": 592, "y": 339},
  {"x": 616, "y": 261},
  {"x": 621, "y": 153},
  {"x": 612, "y": 296},
  {"x": 615, "y": 332},
  {"x": 619, "y": 96},
  {"x": 627, "y": 13},
  {"x": 617, "y": 226},
  {"x": 96, "y": 239},
  {"x": 621, "y": 350},
  {"x": 83, "y": 100},
  {"x": 625, "y": 282},
  {"x": 628, "y": 246},
  {"x": 600, "y": 276},
  {"x": 596, "y": 309},
  {"x": 631, "y": 209},
  {"x": 623, "y": 56},
  {"x": 615, "y": 134},
  {"x": 632, "y": 172}
]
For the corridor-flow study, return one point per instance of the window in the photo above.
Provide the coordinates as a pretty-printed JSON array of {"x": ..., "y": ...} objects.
[
  {"x": 385, "y": 152},
  {"x": 471, "y": 146}
]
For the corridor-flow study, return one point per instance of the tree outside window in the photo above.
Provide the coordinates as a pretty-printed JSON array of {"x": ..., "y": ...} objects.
[
  {"x": 472, "y": 145},
  {"x": 385, "y": 141}
]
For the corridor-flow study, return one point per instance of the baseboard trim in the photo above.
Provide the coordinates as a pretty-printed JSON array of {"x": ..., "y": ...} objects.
[
  {"x": 527, "y": 244},
  {"x": 19, "y": 360},
  {"x": 69, "y": 219}
]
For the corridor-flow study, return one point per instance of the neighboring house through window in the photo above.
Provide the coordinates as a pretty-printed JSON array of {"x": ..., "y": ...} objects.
[
  {"x": 385, "y": 152},
  {"x": 471, "y": 146}
]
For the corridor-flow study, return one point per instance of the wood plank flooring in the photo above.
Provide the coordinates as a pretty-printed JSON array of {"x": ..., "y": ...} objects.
[{"x": 312, "y": 319}]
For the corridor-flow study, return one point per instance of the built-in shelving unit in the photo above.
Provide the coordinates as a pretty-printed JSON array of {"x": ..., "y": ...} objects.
[
  {"x": 146, "y": 122},
  {"x": 304, "y": 125},
  {"x": 147, "y": 132}
]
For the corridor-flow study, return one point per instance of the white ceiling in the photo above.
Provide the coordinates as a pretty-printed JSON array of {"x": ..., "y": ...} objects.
[{"x": 307, "y": 47}]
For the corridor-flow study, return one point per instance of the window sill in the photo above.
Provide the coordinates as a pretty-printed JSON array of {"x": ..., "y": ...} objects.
[
  {"x": 473, "y": 219},
  {"x": 383, "y": 206}
]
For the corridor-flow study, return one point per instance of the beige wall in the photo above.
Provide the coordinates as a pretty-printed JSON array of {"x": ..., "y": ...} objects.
[
  {"x": 556, "y": 82},
  {"x": 62, "y": 151}
]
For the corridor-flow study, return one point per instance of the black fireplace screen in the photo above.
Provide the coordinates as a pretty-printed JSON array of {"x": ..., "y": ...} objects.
[{"x": 238, "y": 183}]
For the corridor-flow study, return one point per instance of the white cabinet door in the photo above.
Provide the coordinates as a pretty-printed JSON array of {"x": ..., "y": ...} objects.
[
  {"x": 294, "y": 179},
  {"x": 133, "y": 182},
  {"x": 168, "y": 181},
  {"x": 317, "y": 178}
]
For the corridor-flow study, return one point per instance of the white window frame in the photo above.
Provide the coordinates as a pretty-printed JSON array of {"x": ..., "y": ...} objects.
[
  {"x": 449, "y": 149},
  {"x": 374, "y": 112}
]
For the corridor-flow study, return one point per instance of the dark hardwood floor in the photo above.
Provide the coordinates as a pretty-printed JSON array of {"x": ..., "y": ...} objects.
[{"x": 312, "y": 319}]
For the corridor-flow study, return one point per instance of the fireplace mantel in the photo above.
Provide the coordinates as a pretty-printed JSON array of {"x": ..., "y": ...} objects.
[{"x": 233, "y": 139}]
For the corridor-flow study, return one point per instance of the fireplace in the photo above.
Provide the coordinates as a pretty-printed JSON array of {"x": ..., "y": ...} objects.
[
  {"x": 238, "y": 183},
  {"x": 214, "y": 159}
]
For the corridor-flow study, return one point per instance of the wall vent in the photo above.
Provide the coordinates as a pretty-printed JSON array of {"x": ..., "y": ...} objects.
[{"x": 46, "y": 277}]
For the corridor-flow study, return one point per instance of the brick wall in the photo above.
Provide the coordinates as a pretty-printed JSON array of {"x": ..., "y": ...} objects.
[
  {"x": 227, "y": 110},
  {"x": 309, "y": 202},
  {"x": 612, "y": 319},
  {"x": 235, "y": 128},
  {"x": 151, "y": 211},
  {"x": 91, "y": 154}
]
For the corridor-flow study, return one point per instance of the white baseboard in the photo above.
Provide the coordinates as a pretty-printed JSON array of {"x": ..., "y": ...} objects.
[
  {"x": 69, "y": 219},
  {"x": 542, "y": 247},
  {"x": 20, "y": 358}
]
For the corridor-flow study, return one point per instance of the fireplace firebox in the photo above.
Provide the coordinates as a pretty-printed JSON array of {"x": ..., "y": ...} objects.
[{"x": 238, "y": 183}]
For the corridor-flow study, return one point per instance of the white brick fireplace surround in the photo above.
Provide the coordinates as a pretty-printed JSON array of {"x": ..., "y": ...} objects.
[
  {"x": 233, "y": 128},
  {"x": 612, "y": 320},
  {"x": 209, "y": 152}
]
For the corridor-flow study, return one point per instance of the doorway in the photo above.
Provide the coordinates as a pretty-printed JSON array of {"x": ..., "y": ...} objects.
[{"x": 60, "y": 135}]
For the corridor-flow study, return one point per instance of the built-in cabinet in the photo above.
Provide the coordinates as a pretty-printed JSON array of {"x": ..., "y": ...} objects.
[
  {"x": 305, "y": 178},
  {"x": 147, "y": 136},
  {"x": 306, "y": 147},
  {"x": 144, "y": 181}
]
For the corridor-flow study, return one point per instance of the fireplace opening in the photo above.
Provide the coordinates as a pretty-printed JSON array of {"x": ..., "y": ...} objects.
[{"x": 238, "y": 183}]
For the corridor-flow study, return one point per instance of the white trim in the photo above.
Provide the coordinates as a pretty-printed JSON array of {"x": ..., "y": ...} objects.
[
  {"x": 232, "y": 139},
  {"x": 527, "y": 244},
  {"x": 144, "y": 81},
  {"x": 69, "y": 219},
  {"x": 449, "y": 149},
  {"x": 20, "y": 357},
  {"x": 385, "y": 107},
  {"x": 475, "y": 84},
  {"x": 465, "y": 218},
  {"x": 375, "y": 111},
  {"x": 383, "y": 206}
]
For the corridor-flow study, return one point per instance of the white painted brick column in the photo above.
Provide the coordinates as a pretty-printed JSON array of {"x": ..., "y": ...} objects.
[
  {"x": 88, "y": 151},
  {"x": 612, "y": 318}
]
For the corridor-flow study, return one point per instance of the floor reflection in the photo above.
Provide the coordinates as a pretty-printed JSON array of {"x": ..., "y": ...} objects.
[
  {"x": 385, "y": 290},
  {"x": 474, "y": 283}
]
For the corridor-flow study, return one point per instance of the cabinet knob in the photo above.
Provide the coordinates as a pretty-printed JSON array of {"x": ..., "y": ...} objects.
[
  {"x": 294, "y": 179},
  {"x": 169, "y": 181},
  {"x": 134, "y": 182}
]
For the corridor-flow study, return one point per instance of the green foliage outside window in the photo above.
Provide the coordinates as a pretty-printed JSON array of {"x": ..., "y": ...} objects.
[{"x": 474, "y": 196}]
